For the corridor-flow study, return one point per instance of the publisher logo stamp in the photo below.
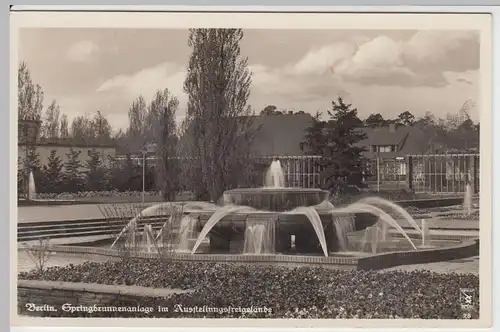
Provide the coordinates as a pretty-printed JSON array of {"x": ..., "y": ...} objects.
[{"x": 466, "y": 302}]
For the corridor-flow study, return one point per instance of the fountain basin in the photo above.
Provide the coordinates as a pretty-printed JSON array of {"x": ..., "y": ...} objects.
[
  {"x": 228, "y": 234},
  {"x": 237, "y": 221},
  {"x": 275, "y": 199}
]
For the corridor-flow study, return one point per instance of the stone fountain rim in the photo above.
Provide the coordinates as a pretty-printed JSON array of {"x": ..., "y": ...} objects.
[{"x": 276, "y": 190}]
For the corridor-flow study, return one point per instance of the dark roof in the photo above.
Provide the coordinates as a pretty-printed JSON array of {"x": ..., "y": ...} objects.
[
  {"x": 410, "y": 140},
  {"x": 277, "y": 135},
  {"x": 280, "y": 135}
]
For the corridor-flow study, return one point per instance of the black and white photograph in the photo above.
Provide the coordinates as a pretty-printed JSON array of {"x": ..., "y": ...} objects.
[{"x": 227, "y": 166}]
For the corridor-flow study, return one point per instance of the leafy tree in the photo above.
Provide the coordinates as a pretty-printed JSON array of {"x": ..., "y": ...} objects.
[
  {"x": 74, "y": 179},
  {"x": 102, "y": 128},
  {"x": 314, "y": 139},
  {"x": 342, "y": 163},
  {"x": 53, "y": 173},
  {"x": 137, "y": 132},
  {"x": 405, "y": 118},
  {"x": 50, "y": 126},
  {"x": 218, "y": 86},
  {"x": 96, "y": 173},
  {"x": 164, "y": 107},
  {"x": 270, "y": 110},
  {"x": 64, "y": 129},
  {"x": 375, "y": 120},
  {"x": 82, "y": 130},
  {"x": 30, "y": 95}
]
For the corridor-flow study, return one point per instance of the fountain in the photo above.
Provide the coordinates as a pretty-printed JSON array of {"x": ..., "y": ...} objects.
[
  {"x": 31, "y": 186},
  {"x": 372, "y": 238},
  {"x": 425, "y": 234},
  {"x": 147, "y": 238},
  {"x": 257, "y": 221},
  {"x": 259, "y": 237},
  {"x": 468, "y": 200}
]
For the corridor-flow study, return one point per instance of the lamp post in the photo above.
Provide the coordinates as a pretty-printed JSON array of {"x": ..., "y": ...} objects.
[
  {"x": 378, "y": 169},
  {"x": 149, "y": 147}
]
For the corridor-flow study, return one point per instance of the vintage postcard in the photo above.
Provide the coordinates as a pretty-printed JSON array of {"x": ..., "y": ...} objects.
[{"x": 251, "y": 169}]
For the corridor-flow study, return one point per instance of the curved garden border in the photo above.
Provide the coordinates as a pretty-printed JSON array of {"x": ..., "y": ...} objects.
[{"x": 467, "y": 248}]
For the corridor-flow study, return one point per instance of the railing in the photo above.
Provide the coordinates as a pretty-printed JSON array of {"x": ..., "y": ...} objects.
[
  {"x": 427, "y": 173},
  {"x": 443, "y": 173}
]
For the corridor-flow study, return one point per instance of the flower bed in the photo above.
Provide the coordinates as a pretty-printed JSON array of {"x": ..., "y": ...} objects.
[
  {"x": 91, "y": 194},
  {"x": 300, "y": 292}
]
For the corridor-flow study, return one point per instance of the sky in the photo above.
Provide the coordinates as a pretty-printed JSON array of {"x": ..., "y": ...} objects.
[{"x": 94, "y": 69}]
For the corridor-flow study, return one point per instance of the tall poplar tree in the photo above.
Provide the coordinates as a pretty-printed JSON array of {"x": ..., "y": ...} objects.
[{"x": 218, "y": 86}]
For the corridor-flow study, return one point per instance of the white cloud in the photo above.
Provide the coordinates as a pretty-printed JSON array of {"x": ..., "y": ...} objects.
[
  {"x": 372, "y": 74},
  {"x": 434, "y": 45},
  {"x": 321, "y": 60},
  {"x": 384, "y": 61},
  {"x": 81, "y": 51},
  {"x": 147, "y": 81}
]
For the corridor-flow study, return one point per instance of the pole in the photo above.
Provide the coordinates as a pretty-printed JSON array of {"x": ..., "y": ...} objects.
[
  {"x": 143, "y": 174},
  {"x": 27, "y": 175},
  {"x": 378, "y": 173}
]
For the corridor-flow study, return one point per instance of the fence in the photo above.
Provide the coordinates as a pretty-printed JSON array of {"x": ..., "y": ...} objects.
[
  {"x": 431, "y": 173},
  {"x": 300, "y": 171},
  {"x": 443, "y": 173},
  {"x": 387, "y": 171}
]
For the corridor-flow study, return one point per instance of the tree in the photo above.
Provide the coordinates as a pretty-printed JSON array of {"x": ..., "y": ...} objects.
[
  {"x": 270, "y": 110},
  {"x": 96, "y": 173},
  {"x": 342, "y": 163},
  {"x": 52, "y": 173},
  {"x": 218, "y": 86},
  {"x": 405, "y": 118},
  {"x": 64, "y": 130},
  {"x": 375, "y": 120},
  {"x": 50, "y": 125},
  {"x": 30, "y": 95},
  {"x": 137, "y": 116},
  {"x": 314, "y": 139},
  {"x": 102, "y": 128},
  {"x": 163, "y": 108},
  {"x": 73, "y": 177},
  {"x": 82, "y": 129}
]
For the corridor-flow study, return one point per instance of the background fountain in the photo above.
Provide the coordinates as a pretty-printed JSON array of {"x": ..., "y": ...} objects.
[
  {"x": 31, "y": 186},
  {"x": 425, "y": 234},
  {"x": 468, "y": 200}
]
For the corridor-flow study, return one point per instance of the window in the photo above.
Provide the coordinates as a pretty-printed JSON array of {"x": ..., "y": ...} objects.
[
  {"x": 385, "y": 148},
  {"x": 402, "y": 168}
]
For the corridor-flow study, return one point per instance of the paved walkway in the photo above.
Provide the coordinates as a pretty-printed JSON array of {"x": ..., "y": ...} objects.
[{"x": 73, "y": 212}]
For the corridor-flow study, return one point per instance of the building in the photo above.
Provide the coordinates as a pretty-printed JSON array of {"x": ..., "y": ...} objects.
[
  {"x": 28, "y": 136},
  {"x": 62, "y": 147},
  {"x": 277, "y": 136},
  {"x": 387, "y": 148}
]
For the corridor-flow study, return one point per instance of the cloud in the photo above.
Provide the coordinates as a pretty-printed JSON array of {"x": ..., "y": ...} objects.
[
  {"x": 81, "y": 51},
  {"x": 322, "y": 60},
  {"x": 419, "y": 61},
  {"x": 147, "y": 81}
]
